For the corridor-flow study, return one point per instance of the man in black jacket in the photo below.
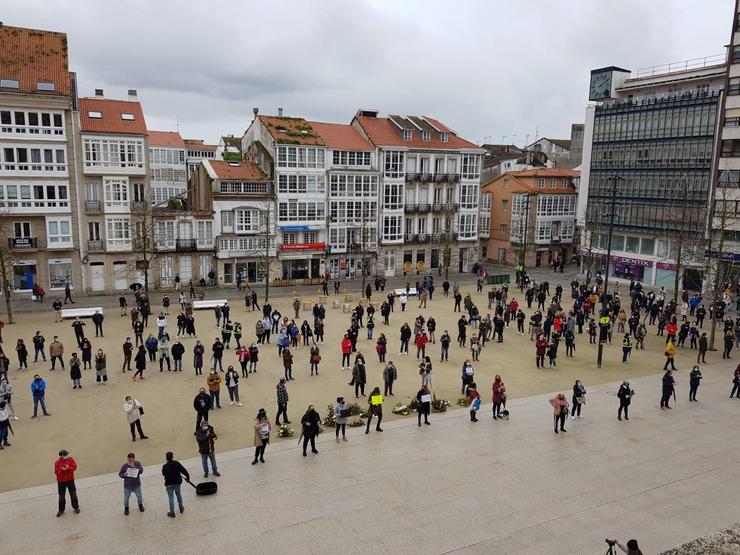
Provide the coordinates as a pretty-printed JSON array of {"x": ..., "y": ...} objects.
[
  {"x": 668, "y": 388},
  {"x": 177, "y": 351},
  {"x": 202, "y": 404},
  {"x": 173, "y": 472}
]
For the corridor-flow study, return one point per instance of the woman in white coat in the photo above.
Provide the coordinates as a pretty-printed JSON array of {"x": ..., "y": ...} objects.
[{"x": 133, "y": 411}]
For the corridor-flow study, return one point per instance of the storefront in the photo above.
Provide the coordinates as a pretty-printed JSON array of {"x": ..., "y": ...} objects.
[
  {"x": 621, "y": 266},
  {"x": 60, "y": 273},
  {"x": 301, "y": 261},
  {"x": 24, "y": 275}
]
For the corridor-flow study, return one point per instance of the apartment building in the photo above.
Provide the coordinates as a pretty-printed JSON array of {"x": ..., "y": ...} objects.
[
  {"x": 429, "y": 193},
  {"x": 234, "y": 203},
  {"x": 38, "y": 217},
  {"x": 197, "y": 151},
  {"x": 533, "y": 216},
  {"x": 649, "y": 145},
  {"x": 113, "y": 172},
  {"x": 168, "y": 176},
  {"x": 725, "y": 228},
  {"x": 292, "y": 151}
]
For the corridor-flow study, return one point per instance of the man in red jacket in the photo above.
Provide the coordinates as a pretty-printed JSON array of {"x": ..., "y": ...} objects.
[{"x": 64, "y": 468}]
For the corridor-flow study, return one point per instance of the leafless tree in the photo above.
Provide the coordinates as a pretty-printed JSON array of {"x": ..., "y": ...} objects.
[{"x": 7, "y": 257}]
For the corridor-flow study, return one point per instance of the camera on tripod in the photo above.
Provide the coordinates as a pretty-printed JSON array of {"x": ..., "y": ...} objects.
[{"x": 610, "y": 543}]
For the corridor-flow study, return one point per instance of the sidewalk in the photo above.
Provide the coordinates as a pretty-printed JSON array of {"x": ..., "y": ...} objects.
[{"x": 664, "y": 477}]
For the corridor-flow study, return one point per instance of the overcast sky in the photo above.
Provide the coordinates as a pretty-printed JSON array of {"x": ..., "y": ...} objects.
[{"x": 487, "y": 68}]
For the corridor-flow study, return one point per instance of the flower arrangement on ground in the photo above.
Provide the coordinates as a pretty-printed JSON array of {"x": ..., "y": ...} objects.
[{"x": 285, "y": 431}]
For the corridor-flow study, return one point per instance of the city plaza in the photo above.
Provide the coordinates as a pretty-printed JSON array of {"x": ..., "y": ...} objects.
[{"x": 509, "y": 486}]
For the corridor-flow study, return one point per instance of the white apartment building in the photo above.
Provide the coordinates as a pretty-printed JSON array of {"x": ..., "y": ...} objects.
[
  {"x": 429, "y": 193},
  {"x": 168, "y": 176},
  {"x": 114, "y": 175},
  {"x": 235, "y": 204},
  {"x": 37, "y": 177}
]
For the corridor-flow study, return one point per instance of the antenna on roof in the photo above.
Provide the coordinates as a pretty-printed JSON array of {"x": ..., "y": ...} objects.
[{"x": 177, "y": 122}]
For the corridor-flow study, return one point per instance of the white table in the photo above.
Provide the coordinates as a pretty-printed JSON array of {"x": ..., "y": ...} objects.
[
  {"x": 209, "y": 303},
  {"x": 81, "y": 312},
  {"x": 411, "y": 293}
]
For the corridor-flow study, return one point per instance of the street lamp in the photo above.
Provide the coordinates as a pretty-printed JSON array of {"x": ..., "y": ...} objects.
[
  {"x": 523, "y": 257},
  {"x": 604, "y": 316}
]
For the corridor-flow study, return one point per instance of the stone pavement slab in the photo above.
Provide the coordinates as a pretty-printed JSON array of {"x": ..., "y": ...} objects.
[{"x": 664, "y": 477}]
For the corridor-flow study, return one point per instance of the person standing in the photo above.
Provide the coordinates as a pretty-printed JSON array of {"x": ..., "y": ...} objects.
[
  {"x": 97, "y": 319},
  {"x": 375, "y": 409},
  {"x": 626, "y": 348},
  {"x": 202, "y": 405},
  {"x": 668, "y": 389},
  {"x": 173, "y": 472},
  {"x": 218, "y": 354},
  {"x": 198, "y": 351},
  {"x": 703, "y": 348},
  {"x": 64, "y": 469},
  {"x": 474, "y": 398},
  {"x": 314, "y": 358},
  {"x": 498, "y": 396},
  {"x": 56, "y": 352},
  {"x": 128, "y": 349},
  {"x": 444, "y": 344},
  {"x": 38, "y": 346},
  {"x": 140, "y": 363},
  {"x": 38, "y": 392},
  {"x": 310, "y": 429},
  {"x": 178, "y": 350},
  {"x": 134, "y": 410},
  {"x": 579, "y": 399},
  {"x": 6, "y": 396},
  {"x": 736, "y": 383},
  {"x": 670, "y": 353},
  {"x": 262, "y": 430},
  {"x": 77, "y": 325},
  {"x": 131, "y": 473},
  {"x": 57, "y": 306},
  {"x": 232, "y": 384},
  {"x": 123, "y": 303},
  {"x": 423, "y": 405},
  {"x": 288, "y": 363},
  {"x": 341, "y": 414},
  {"x": 282, "y": 402},
  {"x": 163, "y": 346},
  {"x": 5, "y": 426},
  {"x": 359, "y": 376},
  {"x": 694, "y": 379},
  {"x": 390, "y": 374},
  {"x": 101, "y": 375},
  {"x": 74, "y": 371},
  {"x": 206, "y": 436},
  {"x": 214, "y": 388},
  {"x": 625, "y": 398},
  {"x": 560, "y": 411},
  {"x": 22, "y": 352}
]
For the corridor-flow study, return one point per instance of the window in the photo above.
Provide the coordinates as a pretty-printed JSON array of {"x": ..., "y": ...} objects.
[
  {"x": 425, "y": 136},
  {"x": 311, "y": 237},
  {"x": 204, "y": 230},
  {"x": 59, "y": 233},
  {"x": 127, "y": 117},
  {"x": 392, "y": 228},
  {"x": 292, "y": 210},
  {"x": 116, "y": 192},
  {"x": 349, "y": 158},
  {"x": 122, "y": 153},
  {"x": 506, "y": 183},
  {"x": 165, "y": 233},
  {"x": 554, "y": 183},
  {"x": 93, "y": 231},
  {"x": 504, "y": 204},
  {"x": 300, "y": 157},
  {"x": 9, "y": 84},
  {"x": 471, "y": 166},
  {"x": 45, "y": 86},
  {"x": 227, "y": 221},
  {"x": 468, "y": 196},
  {"x": 647, "y": 246},
  {"x": 95, "y": 115},
  {"x": 565, "y": 183},
  {"x": 541, "y": 183},
  {"x": 394, "y": 164},
  {"x": 118, "y": 229},
  {"x": 247, "y": 221},
  {"x": 444, "y": 137},
  {"x": 632, "y": 244},
  {"x": 21, "y": 229},
  {"x": 503, "y": 229},
  {"x": 735, "y": 55},
  {"x": 406, "y": 135},
  {"x": 466, "y": 226}
]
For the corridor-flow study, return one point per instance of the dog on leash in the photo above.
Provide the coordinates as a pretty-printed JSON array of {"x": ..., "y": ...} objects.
[{"x": 504, "y": 414}]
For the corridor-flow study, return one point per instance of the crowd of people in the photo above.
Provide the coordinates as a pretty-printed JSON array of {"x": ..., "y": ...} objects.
[{"x": 554, "y": 318}]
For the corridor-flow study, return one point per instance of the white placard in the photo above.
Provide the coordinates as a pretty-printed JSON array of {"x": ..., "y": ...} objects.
[
  {"x": 426, "y": 398},
  {"x": 132, "y": 472}
]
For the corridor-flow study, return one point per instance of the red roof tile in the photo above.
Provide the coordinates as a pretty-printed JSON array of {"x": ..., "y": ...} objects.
[
  {"x": 340, "y": 136},
  {"x": 291, "y": 130},
  {"x": 111, "y": 120},
  {"x": 198, "y": 144},
  {"x": 243, "y": 170},
  {"x": 382, "y": 132},
  {"x": 166, "y": 138},
  {"x": 30, "y": 56},
  {"x": 547, "y": 172},
  {"x": 528, "y": 181}
]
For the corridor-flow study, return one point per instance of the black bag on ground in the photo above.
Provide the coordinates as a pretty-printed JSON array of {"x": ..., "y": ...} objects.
[{"x": 205, "y": 488}]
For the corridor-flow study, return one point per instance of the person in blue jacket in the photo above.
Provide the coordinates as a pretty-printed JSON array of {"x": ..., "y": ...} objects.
[
  {"x": 152, "y": 345},
  {"x": 38, "y": 390}
]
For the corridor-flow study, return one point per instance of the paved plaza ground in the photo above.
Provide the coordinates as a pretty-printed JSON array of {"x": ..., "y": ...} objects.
[
  {"x": 664, "y": 477},
  {"x": 91, "y": 424}
]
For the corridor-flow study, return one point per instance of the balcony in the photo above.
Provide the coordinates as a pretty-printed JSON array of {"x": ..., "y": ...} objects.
[
  {"x": 118, "y": 245},
  {"x": 422, "y": 237},
  {"x": 204, "y": 244},
  {"x": 185, "y": 245},
  {"x": 413, "y": 177},
  {"x": 418, "y": 208},
  {"x": 93, "y": 207},
  {"x": 22, "y": 243},
  {"x": 410, "y": 238},
  {"x": 445, "y": 207},
  {"x": 95, "y": 246},
  {"x": 162, "y": 245}
]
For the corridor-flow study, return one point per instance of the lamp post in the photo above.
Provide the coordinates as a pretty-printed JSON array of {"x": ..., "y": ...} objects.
[
  {"x": 523, "y": 258},
  {"x": 603, "y": 315}
]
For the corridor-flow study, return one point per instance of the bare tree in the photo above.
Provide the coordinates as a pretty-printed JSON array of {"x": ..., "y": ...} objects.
[
  {"x": 266, "y": 251},
  {"x": 366, "y": 249},
  {"x": 720, "y": 267},
  {"x": 147, "y": 235},
  {"x": 690, "y": 236},
  {"x": 7, "y": 257}
]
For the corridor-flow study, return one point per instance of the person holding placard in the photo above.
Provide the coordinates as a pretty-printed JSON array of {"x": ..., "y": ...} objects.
[
  {"x": 375, "y": 409},
  {"x": 261, "y": 435},
  {"x": 341, "y": 414},
  {"x": 131, "y": 472},
  {"x": 424, "y": 406}
]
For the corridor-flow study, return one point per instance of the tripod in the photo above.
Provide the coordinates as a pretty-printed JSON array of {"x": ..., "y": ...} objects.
[{"x": 612, "y": 550}]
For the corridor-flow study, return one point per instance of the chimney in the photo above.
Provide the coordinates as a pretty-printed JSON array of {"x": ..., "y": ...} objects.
[
  {"x": 99, "y": 92},
  {"x": 132, "y": 95},
  {"x": 280, "y": 112}
]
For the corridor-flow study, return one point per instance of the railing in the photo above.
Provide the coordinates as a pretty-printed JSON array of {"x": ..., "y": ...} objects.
[
  {"x": 163, "y": 245},
  {"x": 413, "y": 177},
  {"x": 118, "y": 245},
  {"x": 418, "y": 207},
  {"x": 445, "y": 207},
  {"x": 423, "y": 237},
  {"x": 93, "y": 206},
  {"x": 185, "y": 244},
  {"x": 27, "y": 130},
  {"x": 410, "y": 237},
  {"x": 694, "y": 63},
  {"x": 204, "y": 244},
  {"x": 22, "y": 243},
  {"x": 34, "y": 205},
  {"x": 95, "y": 246}
]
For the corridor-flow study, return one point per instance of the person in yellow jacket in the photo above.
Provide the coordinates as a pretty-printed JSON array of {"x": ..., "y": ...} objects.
[{"x": 670, "y": 352}]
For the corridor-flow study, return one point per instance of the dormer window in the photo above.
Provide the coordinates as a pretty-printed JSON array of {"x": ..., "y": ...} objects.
[
  {"x": 95, "y": 115},
  {"x": 406, "y": 135},
  {"x": 10, "y": 84},
  {"x": 444, "y": 137},
  {"x": 425, "y": 136},
  {"x": 127, "y": 117},
  {"x": 45, "y": 86}
]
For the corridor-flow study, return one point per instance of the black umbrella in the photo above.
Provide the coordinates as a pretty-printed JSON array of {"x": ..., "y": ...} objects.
[
  {"x": 135, "y": 286},
  {"x": 204, "y": 488}
]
